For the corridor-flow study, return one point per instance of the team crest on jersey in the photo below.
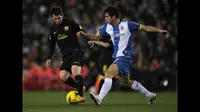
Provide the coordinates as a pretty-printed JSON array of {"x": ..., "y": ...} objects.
[
  {"x": 66, "y": 28},
  {"x": 122, "y": 28}
]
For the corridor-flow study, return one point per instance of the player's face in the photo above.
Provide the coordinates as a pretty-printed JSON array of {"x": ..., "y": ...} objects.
[
  {"x": 108, "y": 18},
  {"x": 57, "y": 19}
]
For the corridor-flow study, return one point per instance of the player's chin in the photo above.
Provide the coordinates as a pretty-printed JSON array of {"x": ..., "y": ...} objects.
[{"x": 58, "y": 23}]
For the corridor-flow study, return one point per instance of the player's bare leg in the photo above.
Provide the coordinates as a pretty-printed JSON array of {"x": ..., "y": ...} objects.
[
  {"x": 138, "y": 87},
  {"x": 76, "y": 71},
  {"x": 111, "y": 72}
]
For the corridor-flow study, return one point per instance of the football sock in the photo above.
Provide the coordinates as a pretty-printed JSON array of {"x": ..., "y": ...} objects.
[
  {"x": 71, "y": 82},
  {"x": 105, "y": 88},
  {"x": 138, "y": 87},
  {"x": 79, "y": 81},
  {"x": 101, "y": 83}
]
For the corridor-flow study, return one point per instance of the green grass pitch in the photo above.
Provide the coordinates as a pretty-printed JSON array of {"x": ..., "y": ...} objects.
[{"x": 113, "y": 102}]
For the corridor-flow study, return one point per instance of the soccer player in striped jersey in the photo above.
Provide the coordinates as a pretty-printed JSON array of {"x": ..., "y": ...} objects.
[{"x": 121, "y": 32}]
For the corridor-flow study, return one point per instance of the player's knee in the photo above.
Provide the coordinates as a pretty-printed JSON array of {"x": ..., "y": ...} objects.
[
  {"x": 117, "y": 77},
  {"x": 64, "y": 75},
  {"x": 109, "y": 74},
  {"x": 76, "y": 70}
]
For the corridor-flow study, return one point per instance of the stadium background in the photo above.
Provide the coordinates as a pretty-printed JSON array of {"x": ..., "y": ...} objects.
[
  {"x": 155, "y": 57},
  {"x": 155, "y": 60}
]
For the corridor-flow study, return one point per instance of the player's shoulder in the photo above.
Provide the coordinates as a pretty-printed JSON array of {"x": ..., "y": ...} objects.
[
  {"x": 52, "y": 27},
  {"x": 127, "y": 21},
  {"x": 69, "y": 21},
  {"x": 131, "y": 23},
  {"x": 124, "y": 21},
  {"x": 104, "y": 26}
]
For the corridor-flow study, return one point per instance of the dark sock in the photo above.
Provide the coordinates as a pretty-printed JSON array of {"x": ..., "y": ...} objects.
[
  {"x": 71, "y": 82},
  {"x": 79, "y": 81}
]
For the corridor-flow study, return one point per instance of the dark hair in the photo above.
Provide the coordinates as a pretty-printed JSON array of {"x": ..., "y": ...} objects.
[
  {"x": 112, "y": 11},
  {"x": 56, "y": 10}
]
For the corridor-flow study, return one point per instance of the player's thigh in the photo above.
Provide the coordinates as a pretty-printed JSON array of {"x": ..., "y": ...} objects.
[
  {"x": 76, "y": 62},
  {"x": 112, "y": 71},
  {"x": 76, "y": 70},
  {"x": 65, "y": 69}
]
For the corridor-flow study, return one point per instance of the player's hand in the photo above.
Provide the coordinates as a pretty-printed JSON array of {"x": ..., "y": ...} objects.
[
  {"x": 48, "y": 63},
  {"x": 91, "y": 43},
  {"x": 83, "y": 34},
  {"x": 165, "y": 32}
]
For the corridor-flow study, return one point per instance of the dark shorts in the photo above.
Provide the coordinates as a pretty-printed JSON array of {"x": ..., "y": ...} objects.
[{"x": 75, "y": 58}]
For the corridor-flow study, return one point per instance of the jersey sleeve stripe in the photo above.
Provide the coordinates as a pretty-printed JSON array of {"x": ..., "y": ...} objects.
[{"x": 140, "y": 26}]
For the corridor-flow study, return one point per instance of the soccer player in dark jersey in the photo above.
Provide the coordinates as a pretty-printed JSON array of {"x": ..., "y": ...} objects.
[{"x": 65, "y": 33}]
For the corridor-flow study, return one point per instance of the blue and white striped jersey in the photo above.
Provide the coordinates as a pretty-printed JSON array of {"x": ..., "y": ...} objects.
[{"x": 121, "y": 36}]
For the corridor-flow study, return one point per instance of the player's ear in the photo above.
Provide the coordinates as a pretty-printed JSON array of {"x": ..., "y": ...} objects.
[{"x": 113, "y": 17}]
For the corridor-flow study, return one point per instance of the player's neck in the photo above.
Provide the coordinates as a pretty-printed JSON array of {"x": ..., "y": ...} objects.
[{"x": 116, "y": 23}]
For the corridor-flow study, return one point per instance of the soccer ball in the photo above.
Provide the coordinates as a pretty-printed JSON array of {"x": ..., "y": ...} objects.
[{"x": 71, "y": 96}]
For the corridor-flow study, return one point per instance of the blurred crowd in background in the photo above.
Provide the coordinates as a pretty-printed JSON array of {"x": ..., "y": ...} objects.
[{"x": 152, "y": 50}]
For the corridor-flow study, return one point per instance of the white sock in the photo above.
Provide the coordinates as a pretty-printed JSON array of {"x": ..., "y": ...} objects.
[
  {"x": 138, "y": 87},
  {"x": 105, "y": 88}
]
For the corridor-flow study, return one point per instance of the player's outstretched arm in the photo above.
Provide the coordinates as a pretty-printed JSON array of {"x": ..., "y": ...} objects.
[
  {"x": 153, "y": 29},
  {"x": 90, "y": 36},
  {"x": 104, "y": 44}
]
